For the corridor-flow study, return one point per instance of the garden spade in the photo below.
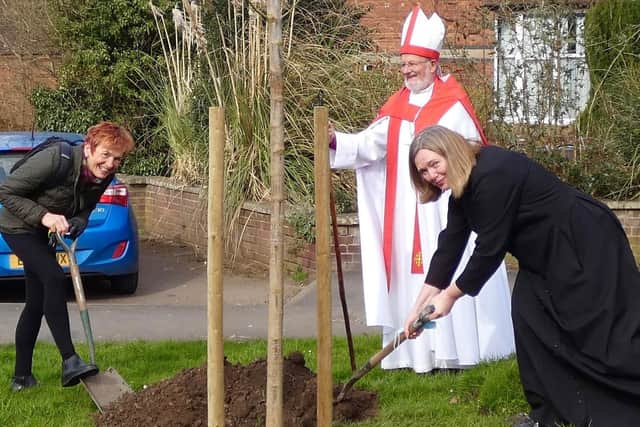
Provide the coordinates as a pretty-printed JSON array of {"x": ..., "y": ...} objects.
[
  {"x": 421, "y": 322},
  {"x": 107, "y": 386}
]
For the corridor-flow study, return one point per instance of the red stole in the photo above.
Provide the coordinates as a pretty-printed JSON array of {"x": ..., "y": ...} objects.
[{"x": 397, "y": 108}]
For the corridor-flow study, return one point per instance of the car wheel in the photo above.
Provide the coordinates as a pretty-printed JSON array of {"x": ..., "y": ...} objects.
[{"x": 125, "y": 284}]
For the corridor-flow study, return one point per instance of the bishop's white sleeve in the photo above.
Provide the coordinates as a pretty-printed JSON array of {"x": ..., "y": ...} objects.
[
  {"x": 458, "y": 119},
  {"x": 356, "y": 150}
]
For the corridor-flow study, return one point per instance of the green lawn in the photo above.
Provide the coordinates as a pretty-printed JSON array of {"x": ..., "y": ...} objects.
[{"x": 483, "y": 396}]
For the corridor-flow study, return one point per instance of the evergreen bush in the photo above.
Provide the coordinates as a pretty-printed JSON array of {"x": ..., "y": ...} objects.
[
  {"x": 611, "y": 120},
  {"x": 105, "y": 44},
  {"x": 612, "y": 28}
]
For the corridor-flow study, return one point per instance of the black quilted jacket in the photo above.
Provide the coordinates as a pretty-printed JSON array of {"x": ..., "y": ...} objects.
[{"x": 27, "y": 194}]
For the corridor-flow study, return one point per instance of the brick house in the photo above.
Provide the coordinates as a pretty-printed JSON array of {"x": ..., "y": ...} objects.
[
  {"x": 526, "y": 52},
  {"x": 27, "y": 59},
  {"x": 478, "y": 39}
]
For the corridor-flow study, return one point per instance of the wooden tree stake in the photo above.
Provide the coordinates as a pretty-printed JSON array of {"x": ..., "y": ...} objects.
[
  {"x": 215, "y": 218},
  {"x": 323, "y": 266}
]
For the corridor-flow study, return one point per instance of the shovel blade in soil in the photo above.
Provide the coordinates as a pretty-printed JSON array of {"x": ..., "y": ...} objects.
[{"x": 105, "y": 388}]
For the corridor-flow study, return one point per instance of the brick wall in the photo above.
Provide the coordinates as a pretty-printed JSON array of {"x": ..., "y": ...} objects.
[
  {"x": 253, "y": 236},
  {"x": 177, "y": 213},
  {"x": 166, "y": 210},
  {"x": 18, "y": 77},
  {"x": 629, "y": 215},
  {"x": 467, "y": 22}
]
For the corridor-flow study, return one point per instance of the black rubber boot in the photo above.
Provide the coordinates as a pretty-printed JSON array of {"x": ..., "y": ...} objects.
[
  {"x": 19, "y": 383},
  {"x": 74, "y": 369}
]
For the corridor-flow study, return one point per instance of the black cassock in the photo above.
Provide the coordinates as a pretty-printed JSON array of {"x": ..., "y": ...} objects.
[{"x": 576, "y": 300}]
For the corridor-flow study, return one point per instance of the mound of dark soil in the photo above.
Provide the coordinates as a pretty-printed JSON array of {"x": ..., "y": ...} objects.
[{"x": 182, "y": 400}]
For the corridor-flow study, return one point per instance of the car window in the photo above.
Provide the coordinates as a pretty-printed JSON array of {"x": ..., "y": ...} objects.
[{"x": 7, "y": 160}]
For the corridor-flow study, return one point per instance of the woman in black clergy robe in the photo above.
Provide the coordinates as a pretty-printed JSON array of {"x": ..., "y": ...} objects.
[{"x": 576, "y": 299}]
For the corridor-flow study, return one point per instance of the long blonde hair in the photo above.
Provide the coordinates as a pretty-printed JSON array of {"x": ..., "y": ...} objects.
[{"x": 459, "y": 153}]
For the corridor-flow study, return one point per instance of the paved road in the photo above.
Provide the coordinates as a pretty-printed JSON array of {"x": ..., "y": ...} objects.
[{"x": 171, "y": 303}]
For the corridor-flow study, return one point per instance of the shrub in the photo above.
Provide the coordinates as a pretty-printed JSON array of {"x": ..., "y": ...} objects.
[
  {"x": 104, "y": 44},
  {"x": 612, "y": 118},
  {"x": 322, "y": 50},
  {"x": 612, "y": 28}
]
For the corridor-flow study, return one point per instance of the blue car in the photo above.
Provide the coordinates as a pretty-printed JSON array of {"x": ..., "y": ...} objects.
[{"x": 109, "y": 245}]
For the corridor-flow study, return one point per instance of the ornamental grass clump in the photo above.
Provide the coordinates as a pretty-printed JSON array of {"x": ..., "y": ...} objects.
[
  {"x": 218, "y": 56},
  {"x": 612, "y": 117},
  {"x": 172, "y": 99}
]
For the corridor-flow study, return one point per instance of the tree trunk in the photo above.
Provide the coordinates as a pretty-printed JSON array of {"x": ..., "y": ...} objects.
[{"x": 276, "y": 282}]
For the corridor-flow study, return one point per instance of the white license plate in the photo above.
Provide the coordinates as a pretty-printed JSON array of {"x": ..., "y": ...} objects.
[{"x": 16, "y": 263}]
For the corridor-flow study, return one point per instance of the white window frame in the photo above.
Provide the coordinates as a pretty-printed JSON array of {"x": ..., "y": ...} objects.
[{"x": 535, "y": 83}]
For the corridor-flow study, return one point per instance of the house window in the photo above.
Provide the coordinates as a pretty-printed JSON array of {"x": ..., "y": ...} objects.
[{"x": 541, "y": 74}]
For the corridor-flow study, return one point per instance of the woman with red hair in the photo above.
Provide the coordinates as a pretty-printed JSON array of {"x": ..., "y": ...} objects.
[{"x": 33, "y": 211}]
